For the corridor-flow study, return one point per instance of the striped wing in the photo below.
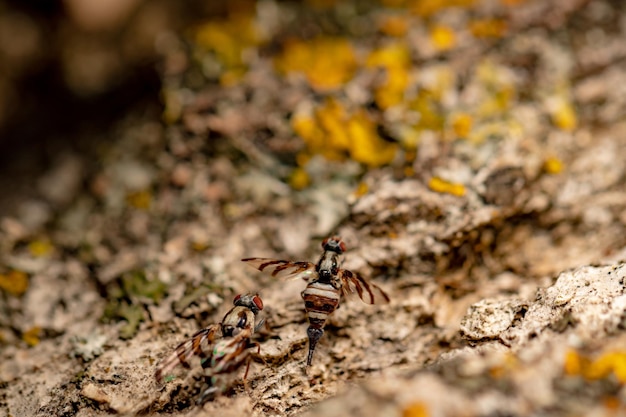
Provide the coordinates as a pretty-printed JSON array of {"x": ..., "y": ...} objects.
[
  {"x": 282, "y": 269},
  {"x": 229, "y": 354},
  {"x": 355, "y": 283},
  {"x": 199, "y": 345}
]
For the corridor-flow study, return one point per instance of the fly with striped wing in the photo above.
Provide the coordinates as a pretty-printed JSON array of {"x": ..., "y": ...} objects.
[
  {"x": 326, "y": 284},
  {"x": 220, "y": 348}
]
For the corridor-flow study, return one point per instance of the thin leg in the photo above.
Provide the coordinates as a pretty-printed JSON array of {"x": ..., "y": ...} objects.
[{"x": 249, "y": 359}]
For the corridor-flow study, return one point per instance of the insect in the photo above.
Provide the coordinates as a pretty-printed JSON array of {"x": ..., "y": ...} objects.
[
  {"x": 326, "y": 283},
  {"x": 221, "y": 348}
]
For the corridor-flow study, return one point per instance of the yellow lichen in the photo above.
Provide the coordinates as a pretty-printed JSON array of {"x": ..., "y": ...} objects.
[
  {"x": 140, "y": 199},
  {"x": 488, "y": 28},
  {"x": 563, "y": 114},
  {"x": 229, "y": 38},
  {"x": 613, "y": 362},
  {"x": 335, "y": 133},
  {"x": 299, "y": 179},
  {"x": 495, "y": 130},
  {"x": 462, "y": 124},
  {"x": 442, "y": 186},
  {"x": 553, "y": 165},
  {"x": 428, "y": 107},
  {"x": 442, "y": 38},
  {"x": 32, "y": 335},
  {"x": 366, "y": 146},
  {"x": 396, "y": 60},
  {"x": 393, "y": 55},
  {"x": 326, "y": 62},
  {"x": 172, "y": 106},
  {"x": 40, "y": 247},
  {"x": 199, "y": 246},
  {"x": 361, "y": 189},
  {"x": 14, "y": 283},
  {"x": 499, "y": 89}
]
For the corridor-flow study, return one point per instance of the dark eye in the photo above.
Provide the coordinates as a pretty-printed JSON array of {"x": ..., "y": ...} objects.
[
  {"x": 242, "y": 322},
  {"x": 257, "y": 302}
]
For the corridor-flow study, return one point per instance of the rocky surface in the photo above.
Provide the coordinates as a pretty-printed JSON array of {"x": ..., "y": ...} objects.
[{"x": 486, "y": 196}]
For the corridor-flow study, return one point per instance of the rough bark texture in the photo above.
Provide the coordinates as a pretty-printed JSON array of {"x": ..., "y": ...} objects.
[{"x": 507, "y": 292}]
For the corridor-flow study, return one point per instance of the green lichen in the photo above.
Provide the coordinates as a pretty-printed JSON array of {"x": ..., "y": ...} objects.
[{"x": 134, "y": 315}]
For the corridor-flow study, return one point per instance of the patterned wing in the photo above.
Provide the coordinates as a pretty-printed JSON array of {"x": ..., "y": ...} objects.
[
  {"x": 369, "y": 293},
  {"x": 229, "y": 354},
  {"x": 282, "y": 269},
  {"x": 199, "y": 345}
]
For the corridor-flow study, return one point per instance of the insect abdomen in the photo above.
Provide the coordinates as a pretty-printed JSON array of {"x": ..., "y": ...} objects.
[{"x": 320, "y": 300}]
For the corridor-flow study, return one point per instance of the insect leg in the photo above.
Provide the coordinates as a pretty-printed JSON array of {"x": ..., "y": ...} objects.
[
  {"x": 314, "y": 336},
  {"x": 209, "y": 393}
]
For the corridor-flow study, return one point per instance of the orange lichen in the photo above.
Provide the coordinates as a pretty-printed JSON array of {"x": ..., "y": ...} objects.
[
  {"x": 326, "y": 62},
  {"x": 416, "y": 409},
  {"x": 488, "y": 28},
  {"x": 442, "y": 37},
  {"x": 612, "y": 403},
  {"x": 442, "y": 186},
  {"x": 14, "y": 283},
  {"x": 394, "y": 25}
]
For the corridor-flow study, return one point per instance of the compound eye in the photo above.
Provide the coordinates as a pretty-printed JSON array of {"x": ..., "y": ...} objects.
[
  {"x": 237, "y": 298},
  {"x": 342, "y": 246},
  {"x": 324, "y": 242},
  {"x": 257, "y": 302}
]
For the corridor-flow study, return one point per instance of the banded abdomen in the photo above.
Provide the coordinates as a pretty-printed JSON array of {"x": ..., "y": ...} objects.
[{"x": 320, "y": 300}]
